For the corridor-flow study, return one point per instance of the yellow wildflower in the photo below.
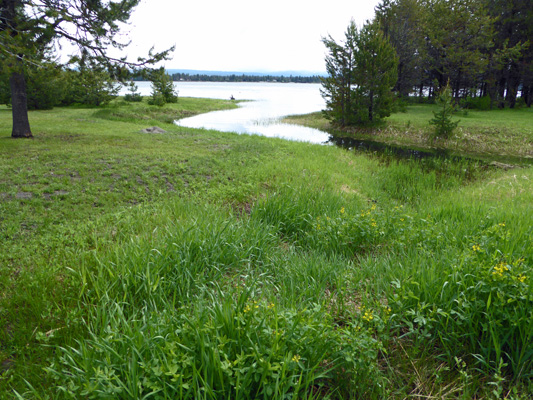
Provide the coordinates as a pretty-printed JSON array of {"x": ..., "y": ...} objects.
[
  {"x": 296, "y": 358},
  {"x": 500, "y": 269},
  {"x": 367, "y": 316},
  {"x": 476, "y": 248},
  {"x": 342, "y": 210}
]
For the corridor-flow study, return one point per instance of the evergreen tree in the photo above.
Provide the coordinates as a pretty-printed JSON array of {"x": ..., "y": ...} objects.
[
  {"x": 442, "y": 119},
  {"x": 133, "y": 95},
  {"x": 459, "y": 35},
  {"x": 482, "y": 47},
  {"x": 362, "y": 73},
  {"x": 512, "y": 68},
  {"x": 337, "y": 86},
  {"x": 29, "y": 26},
  {"x": 163, "y": 90},
  {"x": 403, "y": 22}
]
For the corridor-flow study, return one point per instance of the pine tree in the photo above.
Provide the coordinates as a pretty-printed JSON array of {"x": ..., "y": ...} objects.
[
  {"x": 27, "y": 27},
  {"x": 362, "y": 72},
  {"x": 163, "y": 90},
  {"x": 442, "y": 119}
]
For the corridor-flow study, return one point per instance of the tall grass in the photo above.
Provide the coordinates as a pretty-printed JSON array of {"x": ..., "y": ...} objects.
[
  {"x": 271, "y": 270},
  {"x": 206, "y": 312}
]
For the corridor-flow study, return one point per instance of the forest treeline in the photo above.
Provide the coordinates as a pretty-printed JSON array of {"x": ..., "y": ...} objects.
[
  {"x": 244, "y": 78},
  {"x": 481, "y": 48}
]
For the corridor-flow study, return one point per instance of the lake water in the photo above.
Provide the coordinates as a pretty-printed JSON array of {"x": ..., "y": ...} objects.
[{"x": 269, "y": 103}]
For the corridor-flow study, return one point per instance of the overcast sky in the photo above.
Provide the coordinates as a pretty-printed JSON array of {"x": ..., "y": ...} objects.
[{"x": 243, "y": 35}]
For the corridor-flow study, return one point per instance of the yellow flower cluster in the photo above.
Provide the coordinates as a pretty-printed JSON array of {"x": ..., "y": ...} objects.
[
  {"x": 500, "y": 269},
  {"x": 296, "y": 358},
  {"x": 342, "y": 210},
  {"x": 476, "y": 247},
  {"x": 521, "y": 278},
  {"x": 367, "y": 316},
  {"x": 249, "y": 308}
]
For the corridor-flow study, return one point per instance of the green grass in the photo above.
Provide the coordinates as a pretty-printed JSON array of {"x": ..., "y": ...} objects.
[
  {"x": 497, "y": 132},
  {"x": 201, "y": 264}
]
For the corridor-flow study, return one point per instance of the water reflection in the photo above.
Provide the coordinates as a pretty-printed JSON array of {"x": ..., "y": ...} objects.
[{"x": 378, "y": 147}]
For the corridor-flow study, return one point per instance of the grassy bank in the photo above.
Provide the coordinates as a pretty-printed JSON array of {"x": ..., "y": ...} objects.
[
  {"x": 497, "y": 132},
  {"x": 201, "y": 264}
]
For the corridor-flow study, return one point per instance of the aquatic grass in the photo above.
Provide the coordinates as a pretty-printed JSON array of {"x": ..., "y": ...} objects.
[
  {"x": 204, "y": 247},
  {"x": 415, "y": 180},
  {"x": 291, "y": 211}
]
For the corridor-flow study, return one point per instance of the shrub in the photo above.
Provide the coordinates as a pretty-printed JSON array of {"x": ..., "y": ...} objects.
[
  {"x": 476, "y": 103},
  {"x": 89, "y": 87}
]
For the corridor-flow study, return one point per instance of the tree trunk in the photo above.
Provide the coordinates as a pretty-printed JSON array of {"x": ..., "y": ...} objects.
[
  {"x": 371, "y": 106},
  {"x": 19, "y": 103}
]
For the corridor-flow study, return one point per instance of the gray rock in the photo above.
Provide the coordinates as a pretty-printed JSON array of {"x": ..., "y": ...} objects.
[{"x": 153, "y": 129}]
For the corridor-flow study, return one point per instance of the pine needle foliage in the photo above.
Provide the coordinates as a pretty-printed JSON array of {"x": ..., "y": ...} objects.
[{"x": 442, "y": 119}]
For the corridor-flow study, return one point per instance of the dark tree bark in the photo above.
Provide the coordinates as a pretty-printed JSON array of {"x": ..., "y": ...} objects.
[{"x": 19, "y": 104}]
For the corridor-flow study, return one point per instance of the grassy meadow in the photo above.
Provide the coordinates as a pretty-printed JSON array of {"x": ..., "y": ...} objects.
[
  {"x": 507, "y": 132},
  {"x": 197, "y": 264}
]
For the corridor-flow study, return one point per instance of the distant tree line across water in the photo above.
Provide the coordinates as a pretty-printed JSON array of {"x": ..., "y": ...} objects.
[
  {"x": 185, "y": 77},
  {"x": 244, "y": 78}
]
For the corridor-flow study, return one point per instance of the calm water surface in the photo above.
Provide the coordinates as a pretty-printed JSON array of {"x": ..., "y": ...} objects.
[{"x": 269, "y": 103}]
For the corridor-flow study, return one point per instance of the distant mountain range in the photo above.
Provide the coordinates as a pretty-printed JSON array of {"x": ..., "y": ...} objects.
[{"x": 254, "y": 73}]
